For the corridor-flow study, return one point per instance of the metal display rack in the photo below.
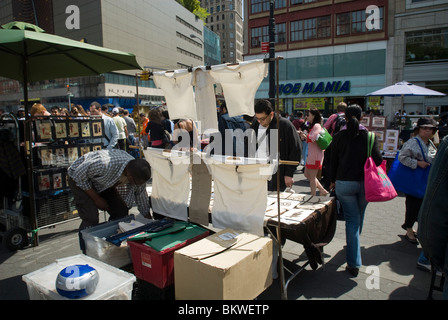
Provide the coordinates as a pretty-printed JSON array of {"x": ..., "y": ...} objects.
[{"x": 57, "y": 143}]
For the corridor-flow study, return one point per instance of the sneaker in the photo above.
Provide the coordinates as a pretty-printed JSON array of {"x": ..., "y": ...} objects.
[{"x": 424, "y": 266}]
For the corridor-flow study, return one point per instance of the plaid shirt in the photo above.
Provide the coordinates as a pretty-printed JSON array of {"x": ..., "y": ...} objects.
[{"x": 101, "y": 170}]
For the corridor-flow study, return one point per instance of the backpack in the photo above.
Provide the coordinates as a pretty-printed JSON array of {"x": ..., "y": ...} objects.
[{"x": 339, "y": 122}]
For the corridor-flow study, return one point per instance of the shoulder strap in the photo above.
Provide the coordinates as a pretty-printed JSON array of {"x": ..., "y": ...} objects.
[
  {"x": 370, "y": 142},
  {"x": 421, "y": 148}
]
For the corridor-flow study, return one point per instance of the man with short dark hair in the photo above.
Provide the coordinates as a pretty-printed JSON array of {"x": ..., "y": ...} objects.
[
  {"x": 94, "y": 178},
  {"x": 55, "y": 111},
  {"x": 290, "y": 147},
  {"x": 110, "y": 129}
]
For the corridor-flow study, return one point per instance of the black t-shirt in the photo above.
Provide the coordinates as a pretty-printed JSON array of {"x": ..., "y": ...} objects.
[{"x": 155, "y": 130}]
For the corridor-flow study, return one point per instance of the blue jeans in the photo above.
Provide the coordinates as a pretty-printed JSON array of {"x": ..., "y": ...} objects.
[
  {"x": 304, "y": 151},
  {"x": 351, "y": 195}
]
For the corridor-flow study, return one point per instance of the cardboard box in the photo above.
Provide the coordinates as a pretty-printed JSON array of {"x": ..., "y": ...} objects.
[{"x": 227, "y": 265}]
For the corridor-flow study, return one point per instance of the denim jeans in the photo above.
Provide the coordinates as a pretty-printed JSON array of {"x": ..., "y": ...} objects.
[{"x": 351, "y": 195}]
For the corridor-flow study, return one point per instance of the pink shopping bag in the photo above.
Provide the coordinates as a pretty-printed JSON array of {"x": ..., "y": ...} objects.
[{"x": 377, "y": 185}]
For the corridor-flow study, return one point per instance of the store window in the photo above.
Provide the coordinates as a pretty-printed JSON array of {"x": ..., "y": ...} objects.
[
  {"x": 310, "y": 29},
  {"x": 353, "y": 23},
  {"x": 280, "y": 36},
  {"x": 257, "y": 6},
  {"x": 427, "y": 46},
  {"x": 261, "y": 34},
  {"x": 296, "y": 33}
]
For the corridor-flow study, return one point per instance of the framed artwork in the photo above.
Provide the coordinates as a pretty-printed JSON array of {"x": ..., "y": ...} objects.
[
  {"x": 46, "y": 156},
  {"x": 97, "y": 147},
  {"x": 73, "y": 154},
  {"x": 60, "y": 157},
  {"x": 60, "y": 129},
  {"x": 392, "y": 134},
  {"x": 73, "y": 129},
  {"x": 379, "y": 135},
  {"x": 365, "y": 121},
  {"x": 43, "y": 130},
  {"x": 57, "y": 181},
  {"x": 378, "y": 122},
  {"x": 83, "y": 150},
  {"x": 85, "y": 129},
  {"x": 43, "y": 182},
  {"x": 97, "y": 128}
]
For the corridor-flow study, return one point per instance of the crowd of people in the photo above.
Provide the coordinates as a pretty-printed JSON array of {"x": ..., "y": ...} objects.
[{"x": 338, "y": 169}]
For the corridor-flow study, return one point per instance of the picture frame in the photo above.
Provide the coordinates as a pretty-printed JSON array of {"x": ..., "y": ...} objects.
[
  {"x": 46, "y": 156},
  {"x": 60, "y": 129},
  {"x": 43, "y": 130},
  {"x": 60, "y": 156},
  {"x": 365, "y": 121},
  {"x": 379, "y": 135},
  {"x": 43, "y": 182},
  {"x": 378, "y": 122},
  {"x": 85, "y": 129},
  {"x": 97, "y": 147},
  {"x": 73, "y": 129},
  {"x": 97, "y": 128},
  {"x": 72, "y": 154},
  {"x": 84, "y": 149},
  {"x": 57, "y": 181}
]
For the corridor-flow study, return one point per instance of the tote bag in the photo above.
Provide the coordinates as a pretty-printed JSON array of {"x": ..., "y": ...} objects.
[
  {"x": 407, "y": 180},
  {"x": 378, "y": 187},
  {"x": 324, "y": 139}
]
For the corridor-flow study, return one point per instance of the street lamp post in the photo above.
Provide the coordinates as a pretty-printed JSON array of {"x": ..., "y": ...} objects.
[
  {"x": 193, "y": 36},
  {"x": 272, "y": 53}
]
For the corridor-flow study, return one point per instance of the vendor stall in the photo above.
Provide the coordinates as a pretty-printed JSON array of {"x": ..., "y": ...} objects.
[
  {"x": 237, "y": 187},
  {"x": 57, "y": 143}
]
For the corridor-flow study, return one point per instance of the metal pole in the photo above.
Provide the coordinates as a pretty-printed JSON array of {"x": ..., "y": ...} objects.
[
  {"x": 28, "y": 150},
  {"x": 272, "y": 53},
  {"x": 138, "y": 117},
  {"x": 284, "y": 293}
]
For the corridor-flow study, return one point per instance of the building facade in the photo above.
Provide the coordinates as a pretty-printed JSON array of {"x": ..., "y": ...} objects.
[
  {"x": 420, "y": 44},
  {"x": 157, "y": 32},
  {"x": 341, "y": 50},
  {"x": 226, "y": 20}
]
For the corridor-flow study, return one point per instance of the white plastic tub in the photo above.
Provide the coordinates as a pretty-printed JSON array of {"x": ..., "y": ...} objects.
[{"x": 114, "y": 284}]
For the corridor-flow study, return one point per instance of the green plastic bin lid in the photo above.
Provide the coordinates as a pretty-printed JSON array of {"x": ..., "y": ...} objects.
[{"x": 174, "y": 235}]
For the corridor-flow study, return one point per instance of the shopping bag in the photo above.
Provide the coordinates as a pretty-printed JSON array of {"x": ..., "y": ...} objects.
[
  {"x": 407, "y": 180},
  {"x": 377, "y": 185},
  {"x": 324, "y": 139}
]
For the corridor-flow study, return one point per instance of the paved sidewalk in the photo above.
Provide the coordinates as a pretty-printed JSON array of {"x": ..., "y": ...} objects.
[{"x": 385, "y": 253}]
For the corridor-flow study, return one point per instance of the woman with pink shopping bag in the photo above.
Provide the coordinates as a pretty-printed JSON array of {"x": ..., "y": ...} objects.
[{"x": 348, "y": 156}]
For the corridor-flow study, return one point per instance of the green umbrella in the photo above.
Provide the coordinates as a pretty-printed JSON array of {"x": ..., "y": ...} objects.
[
  {"x": 36, "y": 55},
  {"x": 27, "y": 54}
]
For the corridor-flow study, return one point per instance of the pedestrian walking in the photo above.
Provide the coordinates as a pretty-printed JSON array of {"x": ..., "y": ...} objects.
[{"x": 348, "y": 156}]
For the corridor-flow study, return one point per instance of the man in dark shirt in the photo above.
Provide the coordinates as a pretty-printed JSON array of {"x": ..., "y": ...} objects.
[{"x": 290, "y": 147}]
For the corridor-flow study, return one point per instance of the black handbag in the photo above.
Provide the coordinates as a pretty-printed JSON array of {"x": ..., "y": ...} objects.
[{"x": 337, "y": 206}]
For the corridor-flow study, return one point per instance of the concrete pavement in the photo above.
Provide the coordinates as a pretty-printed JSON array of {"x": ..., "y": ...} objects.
[{"x": 388, "y": 273}]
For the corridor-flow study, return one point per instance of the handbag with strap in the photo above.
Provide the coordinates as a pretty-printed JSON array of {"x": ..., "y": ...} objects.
[
  {"x": 407, "y": 180},
  {"x": 377, "y": 185},
  {"x": 324, "y": 139}
]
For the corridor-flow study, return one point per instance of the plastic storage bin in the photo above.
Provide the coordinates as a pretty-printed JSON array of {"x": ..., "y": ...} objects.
[
  {"x": 100, "y": 249},
  {"x": 153, "y": 259},
  {"x": 114, "y": 284}
]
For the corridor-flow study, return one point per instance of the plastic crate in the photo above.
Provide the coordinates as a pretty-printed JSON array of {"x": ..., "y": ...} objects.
[
  {"x": 114, "y": 284},
  {"x": 157, "y": 266},
  {"x": 97, "y": 247}
]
